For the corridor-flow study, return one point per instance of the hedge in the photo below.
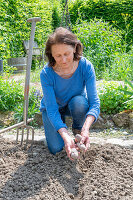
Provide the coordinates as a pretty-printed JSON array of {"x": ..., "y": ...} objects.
[
  {"x": 14, "y": 28},
  {"x": 118, "y": 12}
]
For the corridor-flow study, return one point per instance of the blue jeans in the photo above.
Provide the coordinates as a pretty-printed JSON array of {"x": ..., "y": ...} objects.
[{"x": 77, "y": 108}]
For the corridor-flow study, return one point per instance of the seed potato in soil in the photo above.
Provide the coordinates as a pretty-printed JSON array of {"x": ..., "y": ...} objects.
[{"x": 103, "y": 173}]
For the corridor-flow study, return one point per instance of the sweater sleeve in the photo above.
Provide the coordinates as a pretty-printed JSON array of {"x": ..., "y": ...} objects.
[
  {"x": 93, "y": 99},
  {"x": 50, "y": 102}
]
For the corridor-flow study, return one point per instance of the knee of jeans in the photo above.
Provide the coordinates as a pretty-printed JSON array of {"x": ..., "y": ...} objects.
[
  {"x": 78, "y": 104},
  {"x": 55, "y": 149}
]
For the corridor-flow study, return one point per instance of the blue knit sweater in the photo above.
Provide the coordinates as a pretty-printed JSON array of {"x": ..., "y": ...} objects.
[{"x": 57, "y": 91}]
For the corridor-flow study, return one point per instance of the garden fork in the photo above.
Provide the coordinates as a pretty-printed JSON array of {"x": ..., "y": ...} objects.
[
  {"x": 23, "y": 125},
  {"x": 25, "y": 128}
]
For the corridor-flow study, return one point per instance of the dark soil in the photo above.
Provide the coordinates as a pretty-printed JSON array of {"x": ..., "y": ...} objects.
[{"x": 103, "y": 173}]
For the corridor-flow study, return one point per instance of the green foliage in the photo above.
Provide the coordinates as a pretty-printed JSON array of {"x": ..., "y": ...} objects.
[
  {"x": 14, "y": 28},
  {"x": 119, "y": 13},
  {"x": 56, "y": 14},
  {"x": 32, "y": 109},
  {"x": 101, "y": 42},
  {"x": 112, "y": 98},
  {"x": 121, "y": 67},
  {"x": 35, "y": 76},
  {"x": 107, "y": 44},
  {"x": 12, "y": 99},
  {"x": 128, "y": 91},
  {"x": 130, "y": 85},
  {"x": 10, "y": 94}
]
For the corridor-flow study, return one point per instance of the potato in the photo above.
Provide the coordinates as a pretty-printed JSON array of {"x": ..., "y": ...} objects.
[
  {"x": 81, "y": 146},
  {"x": 74, "y": 154},
  {"x": 78, "y": 137}
]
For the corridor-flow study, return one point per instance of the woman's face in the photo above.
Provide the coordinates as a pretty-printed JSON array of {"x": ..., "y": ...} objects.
[{"x": 63, "y": 55}]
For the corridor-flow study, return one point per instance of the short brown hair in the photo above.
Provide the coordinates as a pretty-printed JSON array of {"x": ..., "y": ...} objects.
[{"x": 63, "y": 36}]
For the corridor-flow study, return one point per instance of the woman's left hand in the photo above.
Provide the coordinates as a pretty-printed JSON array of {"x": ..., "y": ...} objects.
[
  {"x": 85, "y": 139},
  {"x": 85, "y": 131}
]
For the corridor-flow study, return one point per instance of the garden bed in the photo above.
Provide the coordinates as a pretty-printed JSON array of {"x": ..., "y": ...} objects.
[{"x": 104, "y": 173}]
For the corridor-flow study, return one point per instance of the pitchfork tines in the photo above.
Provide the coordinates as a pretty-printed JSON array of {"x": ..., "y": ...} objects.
[{"x": 25, "y": 130}]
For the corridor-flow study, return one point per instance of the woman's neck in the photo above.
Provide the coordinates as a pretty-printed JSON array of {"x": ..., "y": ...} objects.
[{"x": 66, "y": 72}]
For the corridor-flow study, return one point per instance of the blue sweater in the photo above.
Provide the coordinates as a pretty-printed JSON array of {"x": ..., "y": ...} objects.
[{"x": 57, "y": 91}]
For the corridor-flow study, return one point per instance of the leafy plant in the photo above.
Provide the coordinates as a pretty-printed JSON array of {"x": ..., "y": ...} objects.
[
  {"x": 35, "y": 75},
  {"x": 32, "y": 109},
  {"x": 128, "y": 92},
  {"x": 14, "y": 15},
  {"x": 115, "y": 12},
  {"x": 12, "y": 99},
  {"x": 10, "y": 94},
  {"x": 101, "y": 42},
  {"x": 112, "y": 98},
  {"x": 56, "y": 14},
  {"x": 121, "y": 67}
]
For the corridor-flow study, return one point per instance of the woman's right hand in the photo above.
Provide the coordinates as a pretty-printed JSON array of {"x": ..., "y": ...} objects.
[
  {"x": 69, "y": 144},
  {"x": 68, "y": 141}
]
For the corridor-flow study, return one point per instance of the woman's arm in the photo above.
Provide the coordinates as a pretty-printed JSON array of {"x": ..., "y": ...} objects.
[
  {"x": 88, "y": 122},
  {"x": 93, "y": 100},
  {"x": 50, "y": 102},
  {"x": 85, "y": 131}
]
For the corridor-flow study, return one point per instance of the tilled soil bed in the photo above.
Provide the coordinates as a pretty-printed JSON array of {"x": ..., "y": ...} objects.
[{"x": 105, "y": 172}]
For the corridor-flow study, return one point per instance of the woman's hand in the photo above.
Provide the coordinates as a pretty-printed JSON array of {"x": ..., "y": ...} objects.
[
  {"x": 85, "y": 138},
  {"x": 68, "y": 141},
  {"x": 69, "y": 144},
  {"x": 85, "y": 131}
]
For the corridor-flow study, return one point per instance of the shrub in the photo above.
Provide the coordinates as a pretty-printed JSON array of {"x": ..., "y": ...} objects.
[
  {"x": 10, "y": 94},
  {"x": 34, "y": 105},
  {"x": 121, "y": 67},
  {"x": 101, "y": 42},
  {"x": 56, "y": 14},
  {"x": 12, "y": 99},
  {"x": 118, "y": 13},
  {"x": 128, "y": 91},
  {"x": 14, "y": 15},
  {"x": 112, "y": 99}
]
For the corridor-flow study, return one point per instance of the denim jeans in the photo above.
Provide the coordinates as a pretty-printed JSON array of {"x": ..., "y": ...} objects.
[{"x": 77, "y": 108}]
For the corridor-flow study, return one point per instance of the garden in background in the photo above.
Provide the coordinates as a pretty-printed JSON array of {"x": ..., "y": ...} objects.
[
  {"x": 104, "y": 27},
  {"x": 105, "y": 171}
]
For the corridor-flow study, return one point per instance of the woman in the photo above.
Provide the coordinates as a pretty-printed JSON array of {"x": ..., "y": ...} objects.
[{"x": 69, "y": 88}]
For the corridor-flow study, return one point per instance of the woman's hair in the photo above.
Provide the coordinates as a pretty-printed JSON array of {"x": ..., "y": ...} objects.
[{"x": 63, "y": 36}]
